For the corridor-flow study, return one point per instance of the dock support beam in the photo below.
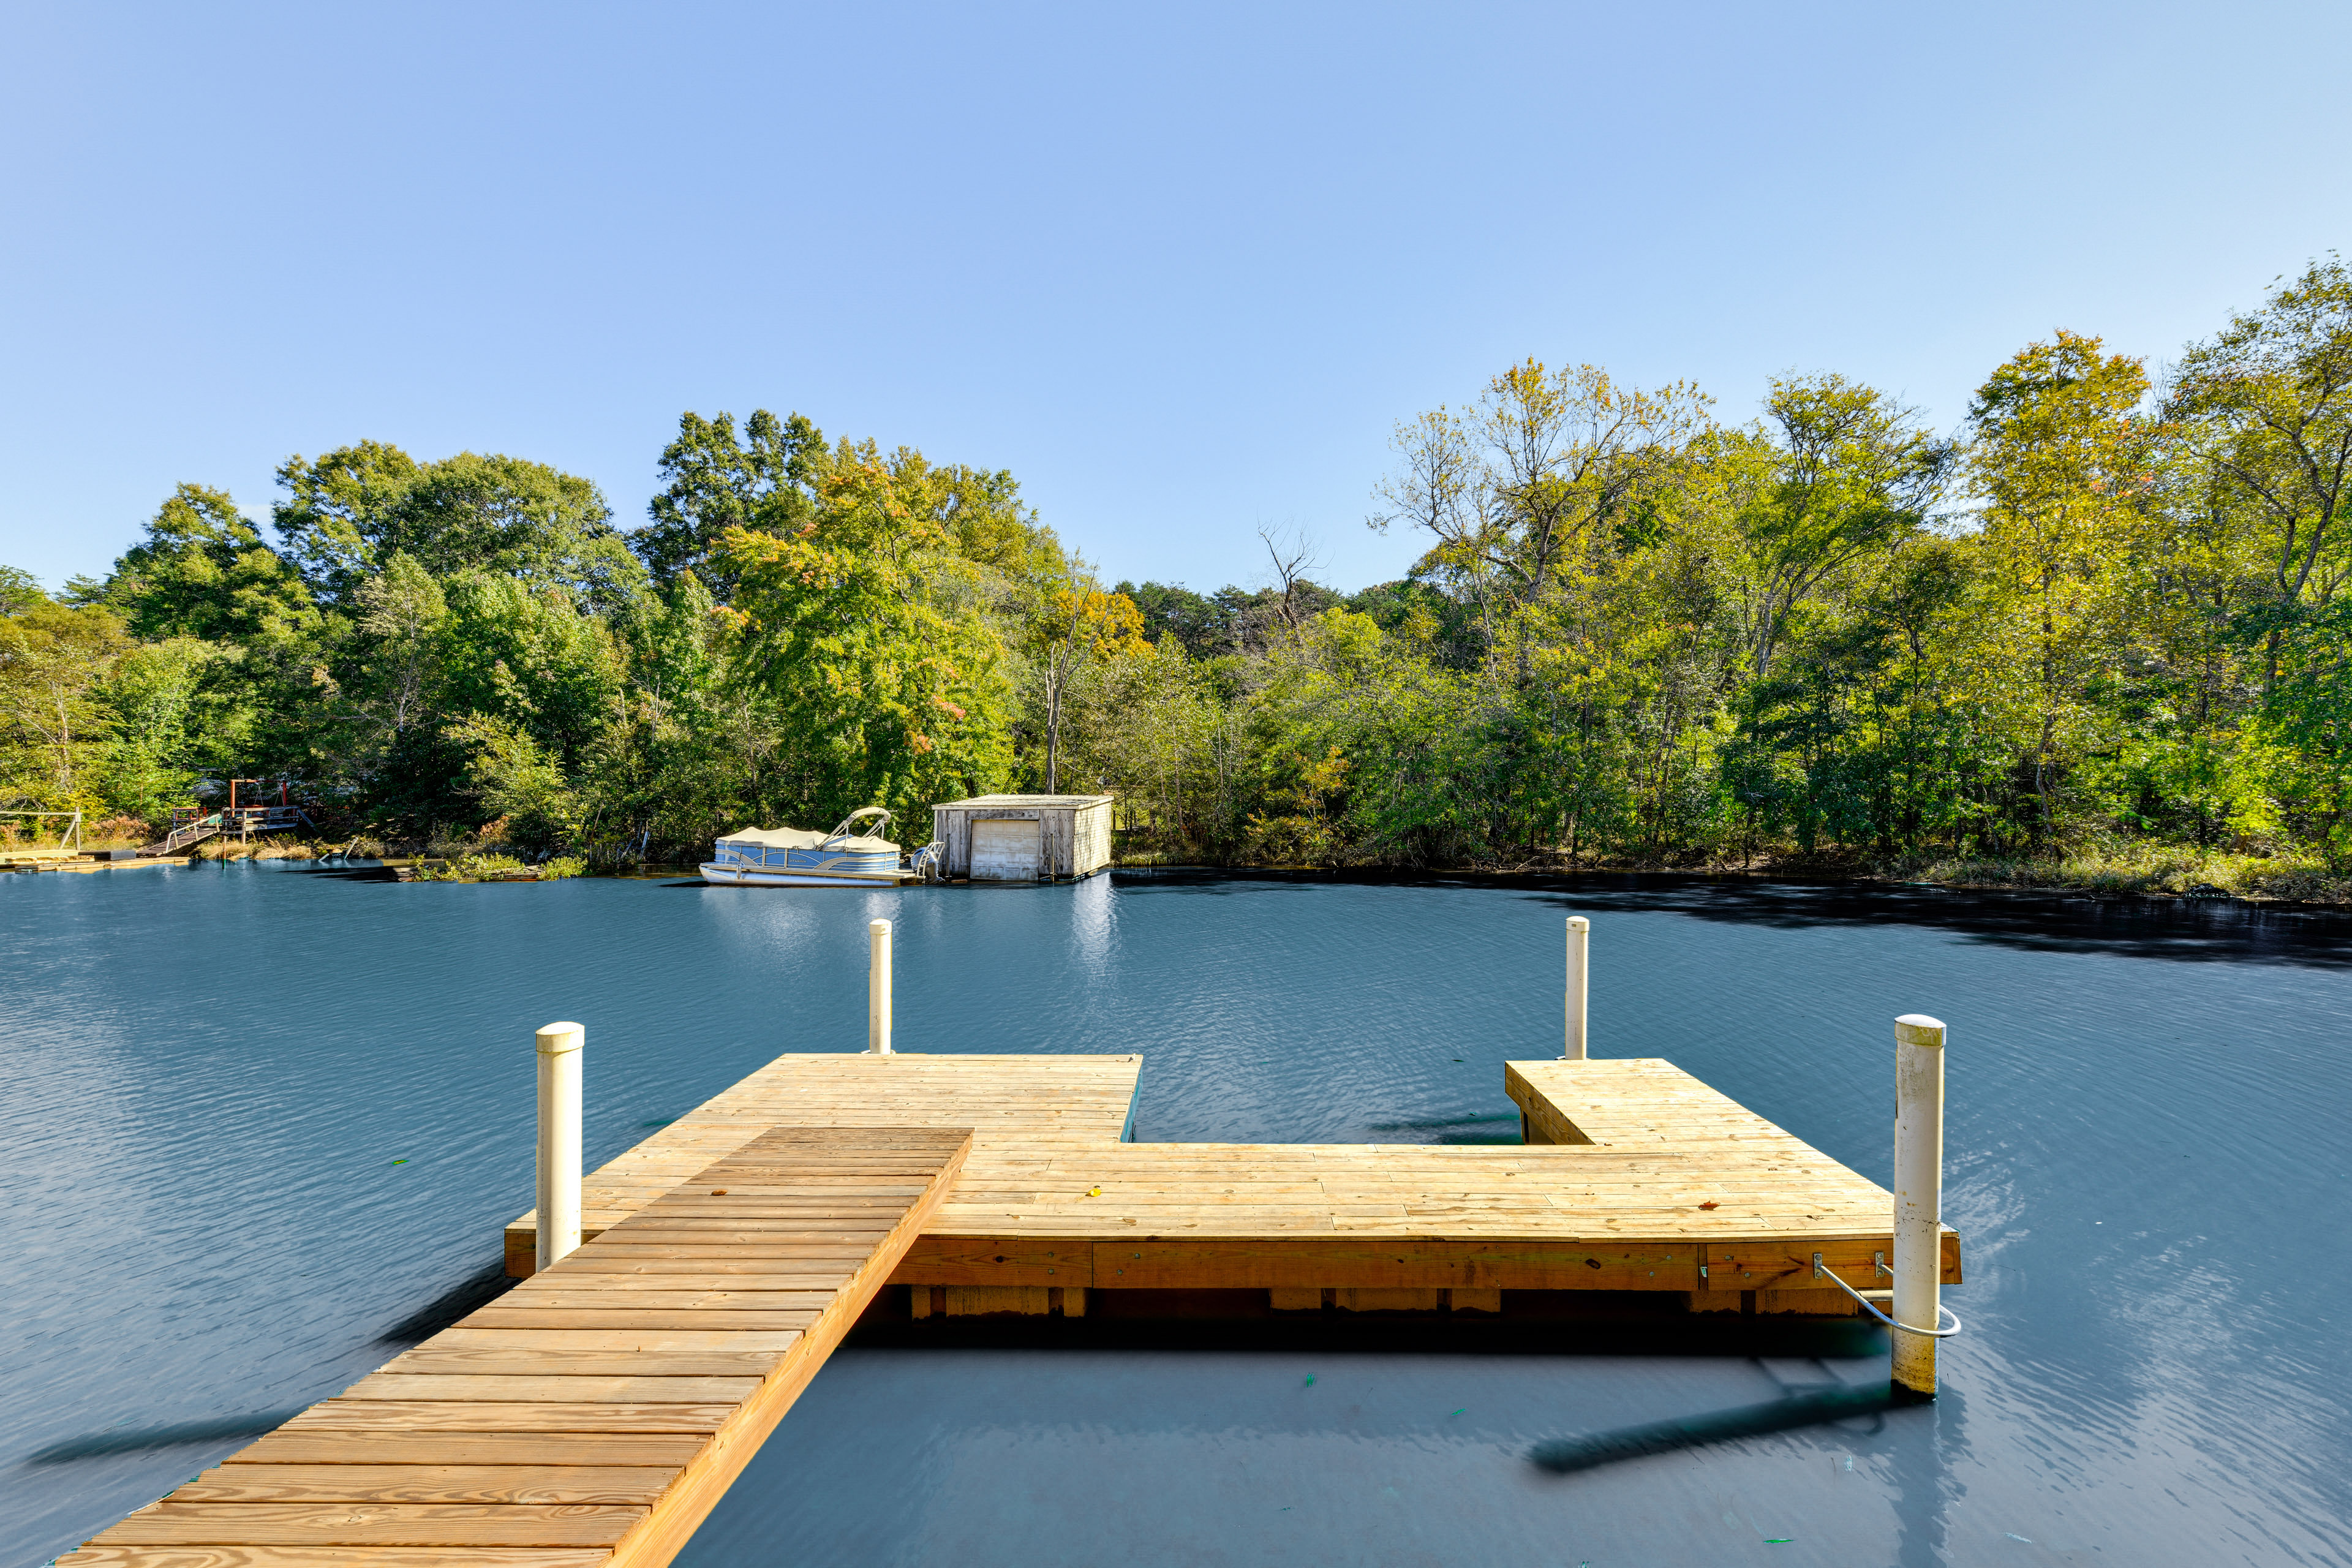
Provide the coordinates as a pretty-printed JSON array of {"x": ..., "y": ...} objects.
[
  {"x": 877, "y": 989},
  {"x": 1579, "y": 954},
  {"x": 1918, "y": 1199},
  {"x": 558, "y": 1140}
]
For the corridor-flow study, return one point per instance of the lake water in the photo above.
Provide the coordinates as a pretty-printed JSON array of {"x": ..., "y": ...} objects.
[{"x": 262, "y": 1126}]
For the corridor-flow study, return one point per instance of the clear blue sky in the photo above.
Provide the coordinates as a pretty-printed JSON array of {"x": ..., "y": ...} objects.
[{"x": 1180, "y": 270}]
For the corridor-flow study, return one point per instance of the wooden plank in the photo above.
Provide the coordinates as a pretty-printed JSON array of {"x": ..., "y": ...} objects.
[
  {"x": 292, "y": 1445},
  {"x": 542, "y": 1482},
  {"x": 719, "y": 1335},
  {"x": 397, "y": 1416},
  {"x": 588, "y": 1366},
  {"x": 1353, "y": 1300},
  {"x": 974, "y": 1300},
  {"x": 609, "y": 1296},
  {"x": 555, "y": 1390},
  {"x": 759, "y": 1273},
  {"x": 172, "y": 1523},
  {"x": 1264, "y": 1264},
  {"x": 996, "y": 1260},
  {"x": 651, "y": 1318},
  {"x": 1827, "y": 1302},
  {"x": 335, "y": 1557}
]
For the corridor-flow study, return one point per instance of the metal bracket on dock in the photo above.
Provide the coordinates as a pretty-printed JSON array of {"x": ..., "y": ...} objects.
[{"x": 1878, "y": 1262}]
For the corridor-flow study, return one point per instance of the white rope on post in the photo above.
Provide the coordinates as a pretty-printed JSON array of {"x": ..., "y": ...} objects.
[
  {"x": 1918, "y": 1200},
  {"x": 559, "y": 1050},
  {"x": 1579, "y": 965},
  {"x": 877, "y": 989}
]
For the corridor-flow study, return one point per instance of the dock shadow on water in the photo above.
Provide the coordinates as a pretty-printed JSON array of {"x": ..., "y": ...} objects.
[
  {"x": 1501, "y": 1128},
  {"x": 469, "y": 1295},
  {"x": 1808, "y": 1408},
  {"x": 139, "y": 1439},
  {"x": 476, "y": 1290}
]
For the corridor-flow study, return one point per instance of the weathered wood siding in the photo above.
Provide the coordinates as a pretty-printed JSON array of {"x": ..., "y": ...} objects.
[
  {"x": 1091, "y": 837},
  {"x": 1074, "y": 831}
]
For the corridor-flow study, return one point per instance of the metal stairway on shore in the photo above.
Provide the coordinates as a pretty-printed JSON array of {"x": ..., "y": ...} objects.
[{"x": 179, "y": 838}]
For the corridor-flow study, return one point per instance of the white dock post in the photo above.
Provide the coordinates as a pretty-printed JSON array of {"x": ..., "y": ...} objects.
[
  {"x": 1579, "y": 955},
  {"x": 877, "y": 989},
  {"x": 558, "y": 1140},
  {"x": 1918, "y": 1198}
]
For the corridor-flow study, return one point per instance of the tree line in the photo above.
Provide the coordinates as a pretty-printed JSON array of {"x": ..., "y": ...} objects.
[{"x": 2108, "y": 609}]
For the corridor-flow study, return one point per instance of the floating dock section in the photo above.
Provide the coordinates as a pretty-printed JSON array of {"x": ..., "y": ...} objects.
[
  {"x": 1635, "y": 1177},
  {"x": 594, "y": 1415}
]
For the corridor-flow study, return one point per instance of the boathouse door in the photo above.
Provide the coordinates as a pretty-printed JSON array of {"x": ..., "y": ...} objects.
[{"x": 1006, "y": 850}]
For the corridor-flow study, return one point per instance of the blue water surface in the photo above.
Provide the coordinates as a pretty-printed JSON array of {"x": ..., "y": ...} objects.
[{"x": 262, "y": 1126}]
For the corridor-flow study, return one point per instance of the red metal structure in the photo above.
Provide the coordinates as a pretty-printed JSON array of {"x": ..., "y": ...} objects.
[{"x": 243, "y": 818}]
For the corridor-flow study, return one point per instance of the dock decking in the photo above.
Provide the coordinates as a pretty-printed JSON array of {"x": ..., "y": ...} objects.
[
  {"x": 1637, "y": 1176},
  {"x": 595, "y": 1414}
]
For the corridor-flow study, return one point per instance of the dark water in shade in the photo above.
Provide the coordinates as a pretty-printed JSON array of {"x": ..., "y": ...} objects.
[{"x": 207, "y": 1075}]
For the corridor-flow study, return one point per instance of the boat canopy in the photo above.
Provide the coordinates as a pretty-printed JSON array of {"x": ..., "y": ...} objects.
[{"x": 809, "y": 839}]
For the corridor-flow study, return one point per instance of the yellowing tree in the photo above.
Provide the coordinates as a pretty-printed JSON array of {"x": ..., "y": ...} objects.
[
  {"x": 1077, "y": 626},
  {"x": 891, "y": 690}
]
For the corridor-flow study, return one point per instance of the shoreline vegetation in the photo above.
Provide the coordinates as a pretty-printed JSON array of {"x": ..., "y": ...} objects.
[
  {"x": 2142, "y": 871},
  {"x": 2131, "y": 871},
  {"x": 2096, "y": 638}
]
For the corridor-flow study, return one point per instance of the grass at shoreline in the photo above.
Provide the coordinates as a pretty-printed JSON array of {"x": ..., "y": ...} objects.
[
  {"x": 2150, "y": 871},
  {"x": 2129, "y": 871}
]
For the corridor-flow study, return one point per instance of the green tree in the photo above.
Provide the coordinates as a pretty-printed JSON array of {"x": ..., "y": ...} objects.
[
  {"x": 2059, "y": 462},
  {"x": 350, "y": 513},
  {"x": 19, "y": 590},
  {"x": 713, "y": 480},
  {"x": 203, "y": 572},
  {"x": 529, "y": 659},
  {"x": 1851, "y": 474},
  {"x": 154, "y": 694},
  {"x": 340, "y": 518},
  {"x": 2268, "y": 403}
]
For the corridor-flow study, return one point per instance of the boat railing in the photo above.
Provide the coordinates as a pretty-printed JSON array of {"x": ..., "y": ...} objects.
[{"x": 843, "y": 831}]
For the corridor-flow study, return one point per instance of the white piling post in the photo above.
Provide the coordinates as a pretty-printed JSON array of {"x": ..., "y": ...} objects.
[
  {"x": 1579, "y": 955},
  {"x": 1918, "y": 1198},
  {"x": 558, "y": 1140},
  {"x": 877, "y": 989}
]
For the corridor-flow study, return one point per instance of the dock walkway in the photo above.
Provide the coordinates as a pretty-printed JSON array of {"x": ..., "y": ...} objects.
[{"x": 592, "y": 1415}]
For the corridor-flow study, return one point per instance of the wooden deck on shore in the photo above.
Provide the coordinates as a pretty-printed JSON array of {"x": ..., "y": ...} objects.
[
  {"x": 28, "y": 863},
  {"x": 591, "y": 1416}
]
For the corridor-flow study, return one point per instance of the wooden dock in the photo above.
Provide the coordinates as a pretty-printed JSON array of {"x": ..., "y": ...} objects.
[{"x": 595, "y": 1414}]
